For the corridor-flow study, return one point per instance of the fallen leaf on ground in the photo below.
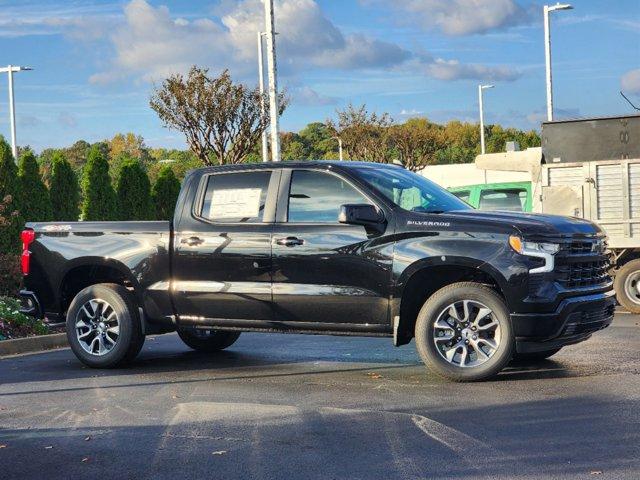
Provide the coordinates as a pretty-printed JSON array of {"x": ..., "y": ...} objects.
[
  {"x": 87, "y": 439},
  {"x": 596, "y": 472},
  {"x": 3, "y": 446},
  {"x": 85, "y": 459},
  {"x": 374, "y": 375},
  {"x": 49, "y": 447},
  {"x": 219, "y": 452}
]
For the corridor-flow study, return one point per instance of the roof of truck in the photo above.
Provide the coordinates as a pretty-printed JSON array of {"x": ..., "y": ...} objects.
[{"x": 300, "y": 163}]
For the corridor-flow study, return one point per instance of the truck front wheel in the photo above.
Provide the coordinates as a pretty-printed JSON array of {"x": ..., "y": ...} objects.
[
  {"x": 627, "y": 286},
  {"x": 103, "y": 327},
  {"x": 205, "y": 340},
  {"x": 463, "y": 332}
]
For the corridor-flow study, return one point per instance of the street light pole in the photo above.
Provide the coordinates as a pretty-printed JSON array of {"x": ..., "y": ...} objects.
[
  {"x": 480, "y": 103},
  {"x": 263, "y": 109},
  {"x": 10, "y": 69},
  {"x": 547, "y": 53},
  {"x": 339, "y": 147},
  {"x": 273, "y": 79}
]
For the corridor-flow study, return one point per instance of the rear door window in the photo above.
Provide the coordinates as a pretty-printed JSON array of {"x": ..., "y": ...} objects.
[{"x": 235, "y": 197}]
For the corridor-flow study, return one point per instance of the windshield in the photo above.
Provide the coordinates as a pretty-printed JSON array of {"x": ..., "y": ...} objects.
[{"x": 411, "y": 191}]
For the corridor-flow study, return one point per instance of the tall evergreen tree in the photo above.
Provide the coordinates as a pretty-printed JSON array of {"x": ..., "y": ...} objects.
[
  {"x": 35, "y": 202},
  {"x": 64, "y": 191},
  {"x": 165, "y": 193},
  {"x": 134, "y": 192},
  {"x": 10, "y": 190},
  {"x": 99, "y": 201}
]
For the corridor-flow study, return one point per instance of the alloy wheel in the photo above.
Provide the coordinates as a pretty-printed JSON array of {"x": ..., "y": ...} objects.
[
  {"x": 466, "y": 333},
  {"x": 97, "y": 327}
]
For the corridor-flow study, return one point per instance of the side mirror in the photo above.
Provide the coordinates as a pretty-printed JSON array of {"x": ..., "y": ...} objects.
[{"x": 361, "y": 214}]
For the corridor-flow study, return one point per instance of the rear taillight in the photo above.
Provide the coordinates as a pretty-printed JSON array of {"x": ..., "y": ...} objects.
[{"x": 27, "y": 236}]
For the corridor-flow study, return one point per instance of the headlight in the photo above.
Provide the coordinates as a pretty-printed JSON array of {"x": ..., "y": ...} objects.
[{"x": 546, "y": 251}]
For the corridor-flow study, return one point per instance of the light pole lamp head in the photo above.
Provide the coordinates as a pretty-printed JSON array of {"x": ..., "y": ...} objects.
[
  {"x": 484, "y": 87},
  {"x": 560, "y": 6}
]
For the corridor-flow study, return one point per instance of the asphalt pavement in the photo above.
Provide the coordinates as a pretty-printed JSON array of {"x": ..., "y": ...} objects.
[{"x": 313, "y": 407}]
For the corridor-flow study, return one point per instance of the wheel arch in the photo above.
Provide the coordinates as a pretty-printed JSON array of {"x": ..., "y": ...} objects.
[
  {"x": 91, "y": 271},
  {"x": 423, "y": 278}
]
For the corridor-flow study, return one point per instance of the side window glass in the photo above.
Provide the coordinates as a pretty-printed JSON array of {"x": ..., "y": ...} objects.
[
  {"x": 316, "y": 197},
  {"x": 235, "y": 197},
  {"x": 463, "y": 195},
  {"x": 511, "y": 200}
]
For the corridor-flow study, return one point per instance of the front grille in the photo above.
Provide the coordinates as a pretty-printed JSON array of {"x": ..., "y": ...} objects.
[
  {"x": 579, "y": 264},
  {"x": 579, "y": 274},
  {"x": 589, "y": 321}
]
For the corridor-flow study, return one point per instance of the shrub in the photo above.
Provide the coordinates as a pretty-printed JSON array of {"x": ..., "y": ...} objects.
[
  {"x": 165, "y": 193},
  {"x": 35, "y": 202},
  {"x": 65, "y": 191},
  {"x": 14, "y": 324},
  {"x": 11, "y": 221},
  {"x": 99, "y": 198},
  {"x": 134, "y": 192},
  {"x": 10, "y": 274}
]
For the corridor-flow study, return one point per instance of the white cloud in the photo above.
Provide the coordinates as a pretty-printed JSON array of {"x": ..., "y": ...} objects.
[
  {"x": 307, "y": 96},
  {"x": 460, "y": 17},
  {"x": 150, "y": 44},
  {"x": 454, "y": 70},
  {"x": 630, "y": 82}
]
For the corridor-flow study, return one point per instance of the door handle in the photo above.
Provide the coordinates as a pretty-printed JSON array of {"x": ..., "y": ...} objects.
[
  {"x": 192, "y": 241},
  {"x": 289, "y": 241}
]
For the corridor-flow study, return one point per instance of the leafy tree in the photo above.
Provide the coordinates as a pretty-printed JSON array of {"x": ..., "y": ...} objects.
[
  {"x": 134, "y": 192},
  {"x": 417, "y": 142},
  {"x": 10, "y": 195},
  {"x": 64, "y": 190},
  {"x": 319, "y": 141},
  {"x": 364, "y": 135},
  {"x": 129, "y": 144},
  {"x": 35, "y": 200},
  {"x": 99, "y": 199},
  {"x": 165, "y": 193},
  {"x": 221, "y": 120}
]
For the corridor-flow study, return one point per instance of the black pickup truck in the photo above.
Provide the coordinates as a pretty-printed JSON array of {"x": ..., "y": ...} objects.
[{"x": 340, "y": 248}]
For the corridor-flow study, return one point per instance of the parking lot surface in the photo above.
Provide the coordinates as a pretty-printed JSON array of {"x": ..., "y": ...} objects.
[{"x": 307, "y": 407}]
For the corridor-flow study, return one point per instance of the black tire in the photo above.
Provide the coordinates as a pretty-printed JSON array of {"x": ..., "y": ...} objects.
[
  {"x": 210, "y": 341},
  {"x": 130, "y": 338},
  {"x": 436, "y": 305},
  {"x": 628, "y": 277},
  {"x": 535, "y": 356}
]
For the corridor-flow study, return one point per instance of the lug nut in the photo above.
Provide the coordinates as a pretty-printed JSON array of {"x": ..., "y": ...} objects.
[
  {"x": 474, "y": 328},
  {"x": 475, "y": 337},
  {"x": 466, "y": 342}
]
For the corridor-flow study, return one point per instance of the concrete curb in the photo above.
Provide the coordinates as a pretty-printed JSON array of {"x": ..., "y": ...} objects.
[{"x": 33, "y": 344}]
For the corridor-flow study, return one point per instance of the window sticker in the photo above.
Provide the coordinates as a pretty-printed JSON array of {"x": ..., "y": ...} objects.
[{"x": 235, "y": 203}]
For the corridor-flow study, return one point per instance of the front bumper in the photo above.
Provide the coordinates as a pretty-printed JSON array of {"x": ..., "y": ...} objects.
[{"x": 575, "y": 319}]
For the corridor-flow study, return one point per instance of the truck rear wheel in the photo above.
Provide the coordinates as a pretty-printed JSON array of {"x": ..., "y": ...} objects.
[
  {"x": 463, "y": 332},
  {"x": 205, "y": 340},
  {"x": 103, "y": 326},
  {"x": 627, "y": 286}
]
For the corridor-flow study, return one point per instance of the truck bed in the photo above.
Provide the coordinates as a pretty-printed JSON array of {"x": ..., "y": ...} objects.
[{"x": 72, "y": 252}]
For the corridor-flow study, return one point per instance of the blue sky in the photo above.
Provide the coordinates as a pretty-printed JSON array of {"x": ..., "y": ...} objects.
[{"x": 96, "y": 61}]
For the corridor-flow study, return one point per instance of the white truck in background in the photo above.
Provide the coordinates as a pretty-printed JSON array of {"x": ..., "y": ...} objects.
[{"x": 585, "y": 168}]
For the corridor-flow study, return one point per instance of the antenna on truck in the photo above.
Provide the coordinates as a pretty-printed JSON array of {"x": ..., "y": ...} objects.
[{"x": 630, "y": 103}]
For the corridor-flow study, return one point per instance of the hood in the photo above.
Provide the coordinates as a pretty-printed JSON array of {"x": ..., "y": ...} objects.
[{"x": 532, "y": 224}]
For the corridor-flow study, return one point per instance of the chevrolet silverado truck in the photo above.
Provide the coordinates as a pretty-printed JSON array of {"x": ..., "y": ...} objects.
[{"x": 338, "y": 248}]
